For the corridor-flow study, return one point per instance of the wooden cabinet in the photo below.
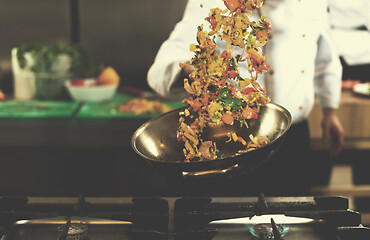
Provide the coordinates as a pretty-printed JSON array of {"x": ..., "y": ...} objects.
[{"x": 354, "y": 114}]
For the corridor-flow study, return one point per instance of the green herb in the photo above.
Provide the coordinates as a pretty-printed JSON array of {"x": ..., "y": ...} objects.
[
  {"x": 250, "y": 40},
  {"x": 45, "y": 55},
  {"x": 225, "y": 93},
  {"x": 219, "y": 154},
  {"x": 228, "y": 100},
  {"x": 216, "y": 121},
  {"x": 233, "y": 67},
  {"x": 234, "y": 103},
  {"x": 241, "y": 122},
  {"x": 196, "y": 62}
]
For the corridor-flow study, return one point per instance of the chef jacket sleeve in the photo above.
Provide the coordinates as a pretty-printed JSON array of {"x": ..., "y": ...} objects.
[
  {"x": 164, "y": 74},
  {"x": 328, "y": 72}
]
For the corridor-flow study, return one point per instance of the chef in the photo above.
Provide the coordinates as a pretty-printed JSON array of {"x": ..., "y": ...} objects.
[
  {"x": 304, "y": 65},
  {"x": 350, "y": 23}
]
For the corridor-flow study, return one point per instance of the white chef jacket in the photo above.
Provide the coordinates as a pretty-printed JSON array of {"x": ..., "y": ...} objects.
[
  {"x": 299, "y": 51},
  {"x": 351, "y": 43}
]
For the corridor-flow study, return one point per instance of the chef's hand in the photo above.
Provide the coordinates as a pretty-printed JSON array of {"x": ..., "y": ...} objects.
[
  {"x": 186, "y": 68},
  {"x": 332, "y": 131}
]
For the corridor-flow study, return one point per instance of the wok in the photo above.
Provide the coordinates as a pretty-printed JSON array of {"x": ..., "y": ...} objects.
[{"x": 156, "y": 142}]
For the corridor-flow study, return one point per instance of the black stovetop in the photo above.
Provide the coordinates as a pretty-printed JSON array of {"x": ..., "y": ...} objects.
[{"x": 179, "y": 218}]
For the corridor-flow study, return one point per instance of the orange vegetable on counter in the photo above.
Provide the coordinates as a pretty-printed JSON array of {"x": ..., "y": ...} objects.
[
  {"x": 2, "y": 96},
  {"x": 108, "y": 77}
]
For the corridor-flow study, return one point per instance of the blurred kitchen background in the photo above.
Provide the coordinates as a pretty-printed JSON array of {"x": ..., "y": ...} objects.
[
  {"x": 119, "y": 33},
  {"x": 69, "y": 157},
  {"x": 59, "y": 156}
]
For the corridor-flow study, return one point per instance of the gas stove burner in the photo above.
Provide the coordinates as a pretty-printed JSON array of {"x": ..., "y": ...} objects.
[
  {"x": 266, "y": 231},
  {"x": 77, "y": 231},
  {"x": 176, "y": 218}
]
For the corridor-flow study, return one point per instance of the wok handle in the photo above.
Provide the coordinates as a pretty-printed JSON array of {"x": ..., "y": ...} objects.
[{"x": 209, "y": 173}]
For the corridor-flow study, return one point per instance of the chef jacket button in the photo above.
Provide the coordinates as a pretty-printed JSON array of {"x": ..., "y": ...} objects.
[{"x": 303, "y": 35}]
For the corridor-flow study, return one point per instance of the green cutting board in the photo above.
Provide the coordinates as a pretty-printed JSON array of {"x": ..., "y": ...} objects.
[
  {"x": 37, "y": 109},
  {"x": 108, "y": 110}
]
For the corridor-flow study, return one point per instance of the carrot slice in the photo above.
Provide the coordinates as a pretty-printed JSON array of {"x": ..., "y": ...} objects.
[{"x": 227, "y": 118}]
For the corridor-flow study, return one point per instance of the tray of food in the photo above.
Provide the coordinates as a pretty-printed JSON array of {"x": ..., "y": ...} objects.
[
  {"x": 125, "y": 105},
  {"x": 37, "y": 109}
]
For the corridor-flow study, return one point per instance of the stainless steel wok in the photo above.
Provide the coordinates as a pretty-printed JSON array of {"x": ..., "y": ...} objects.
[{"x": 156, "y": 142}]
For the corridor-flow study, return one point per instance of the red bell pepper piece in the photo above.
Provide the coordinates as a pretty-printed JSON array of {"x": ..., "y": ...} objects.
[
  {"x": 233, "y": 74},
  {"x": 232, "y": 5},
  {"x": 249, "y": 113},
  {"x": 226, "y": 55},
  {"x": 248, "y": 90},
  {"x": 195, "y": 104},
  {"x": 178, "y": 136},
  {"x": 79, "y": 82},
  {"x": 212, "y": 21}
]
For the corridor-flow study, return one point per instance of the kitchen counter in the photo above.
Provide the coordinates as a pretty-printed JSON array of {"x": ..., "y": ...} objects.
[
  {"x": 70, "y": 155},
  {"x": 70, "y": 124},
  {"x": 354, "y": 114},
  {"x": 98, "y": 125},
  {"x": 68, "y": 133},
  {"x": 78, "y": 150}
]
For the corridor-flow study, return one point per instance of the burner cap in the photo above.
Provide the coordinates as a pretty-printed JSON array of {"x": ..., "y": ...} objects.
[
  {"x": 265, "y": 230},
  {"x": 77, "y": 231}
]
